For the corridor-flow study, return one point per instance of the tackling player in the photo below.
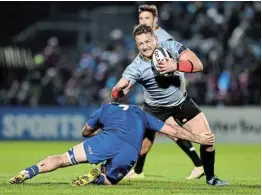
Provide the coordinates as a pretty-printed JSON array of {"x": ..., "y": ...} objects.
[
  {"x": 163, "y": 95},
  {"x": 119, "y": 143},
  {"x": 148, "y": 14}
]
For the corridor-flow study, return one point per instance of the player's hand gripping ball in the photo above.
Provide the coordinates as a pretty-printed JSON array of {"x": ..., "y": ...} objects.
[{"x": 160, "y": 54}]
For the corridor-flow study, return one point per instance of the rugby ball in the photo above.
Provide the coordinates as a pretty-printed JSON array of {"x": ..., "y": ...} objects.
[{"x": 159, "y": 55}]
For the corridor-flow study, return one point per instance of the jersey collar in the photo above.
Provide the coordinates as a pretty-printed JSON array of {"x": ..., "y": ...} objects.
[
  {"x": 157, "y": 28},
  {"x": 144, "y": 58}
]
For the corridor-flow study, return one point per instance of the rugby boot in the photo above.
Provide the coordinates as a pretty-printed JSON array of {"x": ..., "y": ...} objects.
[
  {"x": 86, "y": 179},
  {"x": 214, "y": 181}
]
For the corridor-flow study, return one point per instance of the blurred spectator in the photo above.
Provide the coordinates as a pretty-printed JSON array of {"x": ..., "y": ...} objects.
[{"x": 225, "y": 36}]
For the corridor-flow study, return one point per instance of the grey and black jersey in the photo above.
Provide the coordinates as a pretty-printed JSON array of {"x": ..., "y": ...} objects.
[
  {"x": 162, "y": 35},
  {"x": 158, "y": 90}
]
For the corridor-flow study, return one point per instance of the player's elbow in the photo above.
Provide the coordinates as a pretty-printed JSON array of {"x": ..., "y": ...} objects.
[
  {"x": 201, "y": 67},
  {"x": 198, "y": 66},
  {"x": 85, "y": 133}
]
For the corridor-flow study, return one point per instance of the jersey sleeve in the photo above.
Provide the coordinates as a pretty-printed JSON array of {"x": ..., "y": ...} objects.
[
  {"x": 132, "y": 72},
  {"x": 153, "y": 123},
  {"x": 174, "y": 48},
  {"x": 93, "y": 120}
]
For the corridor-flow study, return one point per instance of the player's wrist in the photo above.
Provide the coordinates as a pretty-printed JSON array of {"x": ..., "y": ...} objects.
[
  {"x": 117, "y": 94},
  {"x": 185, "y": 66},
  {"x": 173, "y": 65}
]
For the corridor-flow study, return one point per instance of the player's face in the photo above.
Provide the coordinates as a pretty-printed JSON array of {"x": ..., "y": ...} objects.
[
  {"x": 146, "y": 44},
  {"x": 147, "y": 18}
]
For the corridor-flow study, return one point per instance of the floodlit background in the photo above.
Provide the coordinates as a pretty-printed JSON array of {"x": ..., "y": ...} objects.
[
  {"x": 65, "y": 53},
  {"x": 60, "y": 60}
]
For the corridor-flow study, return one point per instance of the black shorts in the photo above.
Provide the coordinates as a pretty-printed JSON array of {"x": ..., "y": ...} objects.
[{"x": 182, "y": 113}]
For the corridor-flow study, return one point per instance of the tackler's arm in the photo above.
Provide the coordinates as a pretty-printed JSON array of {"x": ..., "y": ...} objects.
[{"x": 88, "y": 131}]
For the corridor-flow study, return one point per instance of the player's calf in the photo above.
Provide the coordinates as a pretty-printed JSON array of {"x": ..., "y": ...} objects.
[
  {"x": 146, "y": 146},
  {"x": 74, "y": 156},
  {"x": 48, "y": 164}
]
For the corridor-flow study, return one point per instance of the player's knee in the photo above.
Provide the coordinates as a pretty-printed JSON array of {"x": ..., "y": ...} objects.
[
  {"x": 71, "y": 157},
  {"x": 105, "y": 179},
  {"x": 64, "y": 160},
  {"x": 118, "y": 171},
  {"x": 102, "y": 180},
  {"x": 208, "y": 148},
  {"x": 112, "y": 180}
]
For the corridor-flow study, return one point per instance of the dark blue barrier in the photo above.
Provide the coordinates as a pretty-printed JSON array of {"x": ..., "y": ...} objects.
[{"x": 43, "y": 123}]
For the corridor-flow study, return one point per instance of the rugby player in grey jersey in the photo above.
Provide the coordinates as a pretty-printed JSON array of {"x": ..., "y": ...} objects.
[
  {"x": 163, "y": 93},
  {"x": 148, "y": 14}
]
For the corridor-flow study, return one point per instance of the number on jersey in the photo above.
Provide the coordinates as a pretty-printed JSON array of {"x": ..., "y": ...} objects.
[{"x": 125, "y": 107}]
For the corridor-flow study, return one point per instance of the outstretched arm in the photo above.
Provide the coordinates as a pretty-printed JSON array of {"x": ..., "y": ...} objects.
[{"x": 179, "y": 132}]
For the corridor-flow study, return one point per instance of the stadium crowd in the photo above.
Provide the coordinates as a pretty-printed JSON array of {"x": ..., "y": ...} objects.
[{"x": 225, "y": 36}]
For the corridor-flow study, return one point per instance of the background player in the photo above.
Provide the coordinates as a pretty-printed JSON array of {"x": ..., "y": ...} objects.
[
  {"x": 119, "y": 143},
  {"x": 163, "y": 95},
  {"x": 148, "y": 14}
]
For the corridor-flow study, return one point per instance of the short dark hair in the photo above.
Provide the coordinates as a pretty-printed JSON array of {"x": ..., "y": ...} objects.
[
  {"x": 149, "y": 8},
  {"x": 142, "y": 29}
]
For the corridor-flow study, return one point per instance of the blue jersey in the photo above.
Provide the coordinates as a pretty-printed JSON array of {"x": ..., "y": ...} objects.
[{"x": 123, "y": 122}]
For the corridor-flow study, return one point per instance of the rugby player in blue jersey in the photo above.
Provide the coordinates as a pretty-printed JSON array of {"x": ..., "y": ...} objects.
[{"x": 118, "y": 145}]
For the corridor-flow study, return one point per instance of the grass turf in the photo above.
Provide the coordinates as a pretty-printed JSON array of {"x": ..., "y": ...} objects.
[{"x": 165, "y": 170}]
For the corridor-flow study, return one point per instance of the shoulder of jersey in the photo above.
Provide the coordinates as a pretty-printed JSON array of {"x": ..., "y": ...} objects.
[
  {"x": 134, "y": 106},
  {"x": 164, "y": 43},
  {"x": 161, "y": 30}
]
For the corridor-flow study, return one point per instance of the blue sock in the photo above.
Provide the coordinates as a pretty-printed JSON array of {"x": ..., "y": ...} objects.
[
  {"x": 100, "y": 180},
  {"x": 33, "y": 171}
]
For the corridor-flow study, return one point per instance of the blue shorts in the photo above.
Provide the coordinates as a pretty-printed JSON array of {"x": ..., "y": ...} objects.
[{"x": 118, "y": 157}]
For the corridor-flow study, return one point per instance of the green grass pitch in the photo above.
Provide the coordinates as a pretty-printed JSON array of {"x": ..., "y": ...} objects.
[{"x": 166, "y": 169}]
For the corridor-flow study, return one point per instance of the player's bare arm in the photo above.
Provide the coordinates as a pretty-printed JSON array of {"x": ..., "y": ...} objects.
[
  {"x": 189, "y": 55},
  {"x": 187, "y": 62},
  {"x": 179, "y": 132}
]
